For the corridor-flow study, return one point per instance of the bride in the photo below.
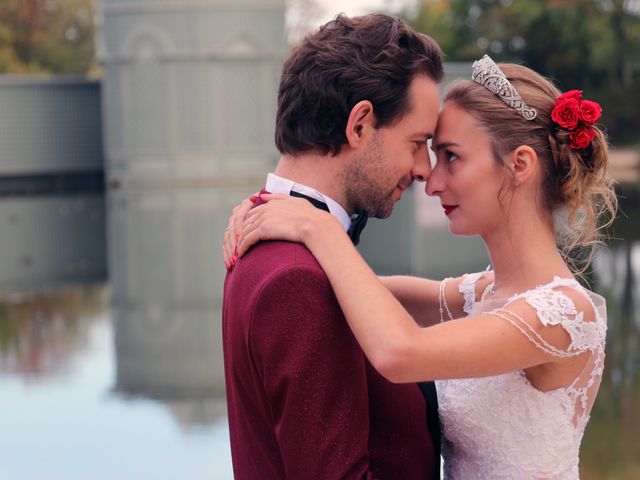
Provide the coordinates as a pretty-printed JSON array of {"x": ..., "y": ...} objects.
[{"x": 517, "y": 352}]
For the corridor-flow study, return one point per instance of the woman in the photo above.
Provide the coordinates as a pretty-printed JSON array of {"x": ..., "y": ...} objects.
[{"x": 518, "y": 352}]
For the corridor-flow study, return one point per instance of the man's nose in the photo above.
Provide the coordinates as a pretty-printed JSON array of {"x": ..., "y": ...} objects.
[
  {"x": 421, "y": 168},
  {"x": 434, "y": 183}
]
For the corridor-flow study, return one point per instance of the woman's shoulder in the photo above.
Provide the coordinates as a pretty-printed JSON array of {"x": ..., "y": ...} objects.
[
  {"x": 561, "y": 296},
  {"x": 561, "y": 304}
]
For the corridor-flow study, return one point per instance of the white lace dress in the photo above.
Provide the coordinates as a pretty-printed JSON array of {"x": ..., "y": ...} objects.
[{"x": 501, "y": 427}]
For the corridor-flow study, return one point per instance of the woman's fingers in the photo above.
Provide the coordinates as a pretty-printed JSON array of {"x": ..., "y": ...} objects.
[
  {"x": 230, "y": 240},
  {"x": 248, "y": 235},
  {"x": 266, "y": 197},
  {"x": 232, "y": 232},
  {"x": 227, "y": 249},
  {"x": 281, "y": 217},
  {"x": 238, "y": 216}
]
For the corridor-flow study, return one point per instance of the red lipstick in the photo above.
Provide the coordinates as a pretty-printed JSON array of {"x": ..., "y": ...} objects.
[{"x": 449, "y": 208}]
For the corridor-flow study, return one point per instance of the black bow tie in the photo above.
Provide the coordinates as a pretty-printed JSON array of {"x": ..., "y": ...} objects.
[
  {"x": 314, "y": 202},
  {"x": 357, "y": 224}
]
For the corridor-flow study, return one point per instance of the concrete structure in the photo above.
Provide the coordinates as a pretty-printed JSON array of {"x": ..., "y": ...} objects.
[
  {"x": 51, "y": 183},
  {"x": 189, "y": 94},
  {"x": 49, "y": 125}
]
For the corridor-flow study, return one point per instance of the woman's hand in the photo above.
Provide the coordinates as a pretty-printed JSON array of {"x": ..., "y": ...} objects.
[
  {"x": 285, "y": 218},
  {"x": 232, "y": 232}
]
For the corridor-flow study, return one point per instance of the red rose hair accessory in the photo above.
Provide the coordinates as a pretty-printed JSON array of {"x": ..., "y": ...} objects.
[{"x": 576, "y": 115}]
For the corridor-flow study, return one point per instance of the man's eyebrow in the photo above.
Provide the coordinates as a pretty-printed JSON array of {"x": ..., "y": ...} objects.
[
  {"x": 425, "y": 135},
  {"x": 442, "y": 145}
]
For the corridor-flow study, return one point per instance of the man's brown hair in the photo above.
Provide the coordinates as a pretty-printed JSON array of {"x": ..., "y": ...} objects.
[{"x": 374, "y": 57}]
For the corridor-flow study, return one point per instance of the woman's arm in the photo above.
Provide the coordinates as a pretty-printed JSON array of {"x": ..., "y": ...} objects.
[
  {"x": 419, "y": 296},
  {"x": 398, "y": 348},
  {"x": 403, "y": 352}
]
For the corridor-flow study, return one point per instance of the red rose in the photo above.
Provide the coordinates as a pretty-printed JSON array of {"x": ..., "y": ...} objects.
[
  {"x": 581, "y": 138},
  {"x": 575, "y": 94},
  {"x": 590, "y": 112},
  {"x": 566, "y": 113}
]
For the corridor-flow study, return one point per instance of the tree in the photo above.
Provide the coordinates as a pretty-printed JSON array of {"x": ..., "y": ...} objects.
[
  {"x": 47, "y": 36},
  {"x": 581, "y": 44}
]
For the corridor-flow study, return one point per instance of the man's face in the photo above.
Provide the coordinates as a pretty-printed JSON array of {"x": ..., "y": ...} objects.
[{"x": 395, "y": 155}]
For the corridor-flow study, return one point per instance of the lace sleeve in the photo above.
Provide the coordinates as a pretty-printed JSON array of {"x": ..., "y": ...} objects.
[
  {"x": 467, "y": 288},
  {"x": 554, "y": 307}
]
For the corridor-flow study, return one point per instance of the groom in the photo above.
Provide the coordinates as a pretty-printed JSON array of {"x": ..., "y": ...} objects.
[{"x": 358, "y": 100}]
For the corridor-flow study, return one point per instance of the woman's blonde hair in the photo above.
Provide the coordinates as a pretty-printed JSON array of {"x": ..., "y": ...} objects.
[{"x": 576, "y": 186}]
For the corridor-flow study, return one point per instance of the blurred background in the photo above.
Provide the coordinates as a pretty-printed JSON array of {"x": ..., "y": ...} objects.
[{"x": 129, "y": 129}]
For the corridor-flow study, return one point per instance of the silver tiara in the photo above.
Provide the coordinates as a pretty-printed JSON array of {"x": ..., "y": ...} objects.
[{"x": 487, "y": 73}]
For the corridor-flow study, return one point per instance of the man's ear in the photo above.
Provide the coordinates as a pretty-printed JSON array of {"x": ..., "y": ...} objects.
[
  {"x": 360, "y": 124},
  {"x": 524, "y": 162}
]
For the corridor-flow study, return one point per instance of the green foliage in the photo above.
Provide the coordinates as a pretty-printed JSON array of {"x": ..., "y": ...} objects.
[
  {"x": 593, "y": 45},
  {"x": 47, "y": 36}
]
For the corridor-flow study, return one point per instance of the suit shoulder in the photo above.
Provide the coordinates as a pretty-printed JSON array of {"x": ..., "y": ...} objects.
[
  {"x": 297, "y": 297},
  {"x": 294, "y": 279},
  {"x": 272, "y": 266},
  {"x": 280, "y": 254}
]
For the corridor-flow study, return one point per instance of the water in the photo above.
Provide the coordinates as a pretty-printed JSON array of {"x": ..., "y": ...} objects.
[
  {"x": 62, "y": 417},
  {"x": 83, "y": 397}
]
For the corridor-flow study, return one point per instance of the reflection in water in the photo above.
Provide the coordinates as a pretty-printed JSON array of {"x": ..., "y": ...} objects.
[
  {"x": 71, "y": 420},
  {"x": 40, "y": 337},
  {"x": 136, "y": 390},
  {"x": 166, "y": 314},
  {"x": 611, "y": 448},
  {"x": 165, "y": 372},
  {"x": 173, "y": 355}
]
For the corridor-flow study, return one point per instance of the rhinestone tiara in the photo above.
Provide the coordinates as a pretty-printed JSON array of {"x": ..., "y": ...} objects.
[{"x": 488, "y": 74}]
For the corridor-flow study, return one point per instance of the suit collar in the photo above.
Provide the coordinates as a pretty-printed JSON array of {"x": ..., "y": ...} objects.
[{"x": 277, "y": 184}]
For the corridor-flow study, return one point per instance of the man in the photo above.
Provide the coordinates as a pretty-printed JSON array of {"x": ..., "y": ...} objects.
[{"x": 358, "y": 100}]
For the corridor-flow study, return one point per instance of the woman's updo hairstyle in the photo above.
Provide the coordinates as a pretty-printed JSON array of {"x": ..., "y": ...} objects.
[{"x": 576, "y": 187}]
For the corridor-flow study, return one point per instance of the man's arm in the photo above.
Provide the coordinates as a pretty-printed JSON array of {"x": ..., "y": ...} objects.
[
  {"x": 313, "y": 373},
  {"x": 419, "y": 296}
]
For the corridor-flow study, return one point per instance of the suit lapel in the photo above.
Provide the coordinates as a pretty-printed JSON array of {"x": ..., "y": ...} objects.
[{"x": 428, "y": 389}]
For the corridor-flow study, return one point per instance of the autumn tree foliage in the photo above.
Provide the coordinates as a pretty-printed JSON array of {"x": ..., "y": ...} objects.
[
  {"x": 592, "y": 45},
  {"x": 47, "y": 36}
]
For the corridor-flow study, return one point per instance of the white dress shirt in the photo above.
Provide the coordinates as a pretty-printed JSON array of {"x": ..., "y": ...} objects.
[{"x": 276, "y": 184}]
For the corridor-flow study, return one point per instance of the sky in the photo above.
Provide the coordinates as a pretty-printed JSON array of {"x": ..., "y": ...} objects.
[
  {"x": 299, "y": 22},
  {"x": 357, "y": 7}
]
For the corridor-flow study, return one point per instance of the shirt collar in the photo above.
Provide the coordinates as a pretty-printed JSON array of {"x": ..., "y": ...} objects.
[{"x": 276, "y": 184}]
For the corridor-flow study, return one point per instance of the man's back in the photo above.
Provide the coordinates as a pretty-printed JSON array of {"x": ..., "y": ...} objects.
[{"x": 303, "y": 400}]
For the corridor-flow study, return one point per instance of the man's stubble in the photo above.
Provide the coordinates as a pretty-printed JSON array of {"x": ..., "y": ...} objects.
[{"x": 366, "y": 181}]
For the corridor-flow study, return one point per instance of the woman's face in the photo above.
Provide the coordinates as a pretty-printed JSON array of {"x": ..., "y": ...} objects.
[{"x": 466, "y": 176}]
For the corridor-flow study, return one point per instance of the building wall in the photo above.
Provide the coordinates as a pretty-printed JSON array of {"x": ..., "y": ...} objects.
[
  {"x": 49, "y": 124},
  {"x": 52, "y": 208},
  {"x": 189, "y": 106}
]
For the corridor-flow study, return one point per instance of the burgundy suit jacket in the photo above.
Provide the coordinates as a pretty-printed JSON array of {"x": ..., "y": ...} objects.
[{"x": 303, "y": 401}]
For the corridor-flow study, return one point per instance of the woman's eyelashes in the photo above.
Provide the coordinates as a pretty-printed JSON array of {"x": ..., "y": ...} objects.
[{"x": 448, "y": 156}]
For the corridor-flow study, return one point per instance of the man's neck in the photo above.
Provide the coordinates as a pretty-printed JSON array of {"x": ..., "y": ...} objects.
[{"x": 320, "y": 172}]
